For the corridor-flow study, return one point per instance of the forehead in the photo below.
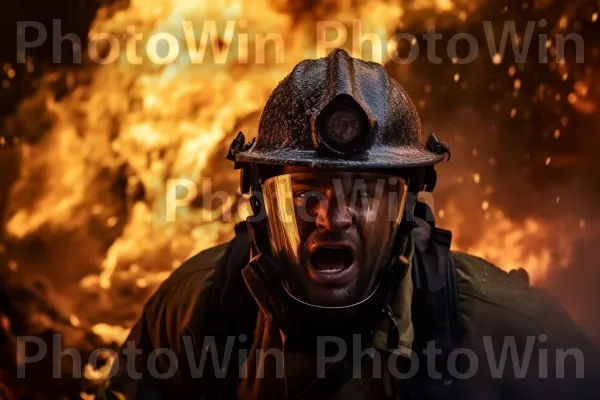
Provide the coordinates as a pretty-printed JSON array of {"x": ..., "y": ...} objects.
[
  {"x": 345, "y": 172},
  {"x": 290, "y": 169},
  {"x": 319, "y": 176}
]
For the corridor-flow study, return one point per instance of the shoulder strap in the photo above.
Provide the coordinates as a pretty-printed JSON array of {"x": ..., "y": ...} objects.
[
  {"x": 231, "y": 304},
  {"x": 435, "y": 308},
  {"x": 233, "y": 311}
]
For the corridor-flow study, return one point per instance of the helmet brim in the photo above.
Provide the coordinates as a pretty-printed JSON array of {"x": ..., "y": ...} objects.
[{"x": 382, "y": 158}]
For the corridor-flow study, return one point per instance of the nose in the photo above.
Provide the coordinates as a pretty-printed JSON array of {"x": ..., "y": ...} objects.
[{"x": 335, "y": 217}]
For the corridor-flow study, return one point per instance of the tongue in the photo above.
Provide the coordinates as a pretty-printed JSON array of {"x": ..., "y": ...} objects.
[{"x": 328, "y": 260}]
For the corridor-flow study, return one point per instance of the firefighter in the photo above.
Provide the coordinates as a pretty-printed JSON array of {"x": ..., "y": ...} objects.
[{"x": 340, "y": 285}]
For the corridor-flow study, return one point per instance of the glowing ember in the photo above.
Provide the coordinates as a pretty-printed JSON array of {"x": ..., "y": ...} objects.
[
  {"x": 556, "y": 133},
  {"x": 75, "y": 321},
  {"x": 485, "y": 205},
  {"x": 517, "y": 84}
]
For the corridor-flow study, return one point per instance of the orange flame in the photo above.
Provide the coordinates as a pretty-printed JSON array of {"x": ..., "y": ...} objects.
[{"x": 161, "y": 122}]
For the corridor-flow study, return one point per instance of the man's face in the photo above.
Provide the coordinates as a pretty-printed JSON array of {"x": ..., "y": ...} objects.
[{"x": 345, "y": 222}]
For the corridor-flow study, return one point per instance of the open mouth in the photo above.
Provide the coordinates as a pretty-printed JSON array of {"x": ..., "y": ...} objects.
[{"x": 332, "y": 260}]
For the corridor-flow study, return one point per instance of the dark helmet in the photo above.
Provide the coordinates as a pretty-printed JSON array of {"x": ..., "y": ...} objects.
[
  {"x": 340, "y": 111},
  {"x": 336, "y": 112}
]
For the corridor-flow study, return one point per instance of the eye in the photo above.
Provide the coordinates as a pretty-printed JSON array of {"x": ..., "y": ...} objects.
[
  {"x": 365, "y": 193},
  {"x": 306, "y": 198},
  {"x": 301, "y": 195}
]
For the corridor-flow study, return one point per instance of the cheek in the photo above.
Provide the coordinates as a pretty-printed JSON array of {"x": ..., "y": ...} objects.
[
  {"x": 373, "y": 221},
  {"x": 374, "y": 235}
]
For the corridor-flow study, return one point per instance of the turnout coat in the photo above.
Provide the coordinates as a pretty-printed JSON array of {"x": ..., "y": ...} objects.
[{"x": 202, "y": 336}]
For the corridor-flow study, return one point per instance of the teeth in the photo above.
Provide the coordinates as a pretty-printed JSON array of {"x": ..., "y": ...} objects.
[
  {"x": 331, "y": 271},
  {"x": 331, "y": 260}
]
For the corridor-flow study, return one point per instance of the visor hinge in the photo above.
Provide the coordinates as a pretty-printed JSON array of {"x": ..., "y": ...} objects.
[
  {"x": 435, "y": 145},
  {"x": 239, "y": 145}
]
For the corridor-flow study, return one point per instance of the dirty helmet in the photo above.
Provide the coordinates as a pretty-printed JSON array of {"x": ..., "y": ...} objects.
[{"x": 351, "y": 122}]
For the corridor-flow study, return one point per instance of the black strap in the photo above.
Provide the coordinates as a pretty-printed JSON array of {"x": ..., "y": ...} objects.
[
  {"x": 231, "y": 305},
  {"x": 232, "y": 312},
  {"x": 435, "y": 308}
]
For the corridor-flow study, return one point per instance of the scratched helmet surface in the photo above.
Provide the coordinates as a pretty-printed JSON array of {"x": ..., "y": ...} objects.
[{"x": 339, "y": 111}]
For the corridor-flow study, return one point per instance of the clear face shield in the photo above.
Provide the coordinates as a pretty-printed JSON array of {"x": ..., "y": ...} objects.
[{"x": 332, "y": 232}]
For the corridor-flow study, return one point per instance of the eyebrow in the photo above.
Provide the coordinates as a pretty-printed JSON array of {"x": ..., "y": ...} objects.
[{"x": 308, "y": 181}]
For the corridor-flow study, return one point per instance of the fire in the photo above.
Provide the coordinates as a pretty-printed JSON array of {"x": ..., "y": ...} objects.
[
  {"x": 112, "y": 333},
  {"x": 534, "y": 245},
  {"x": 146, "y": 123},
  {"x": 125, "y": 129}
]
